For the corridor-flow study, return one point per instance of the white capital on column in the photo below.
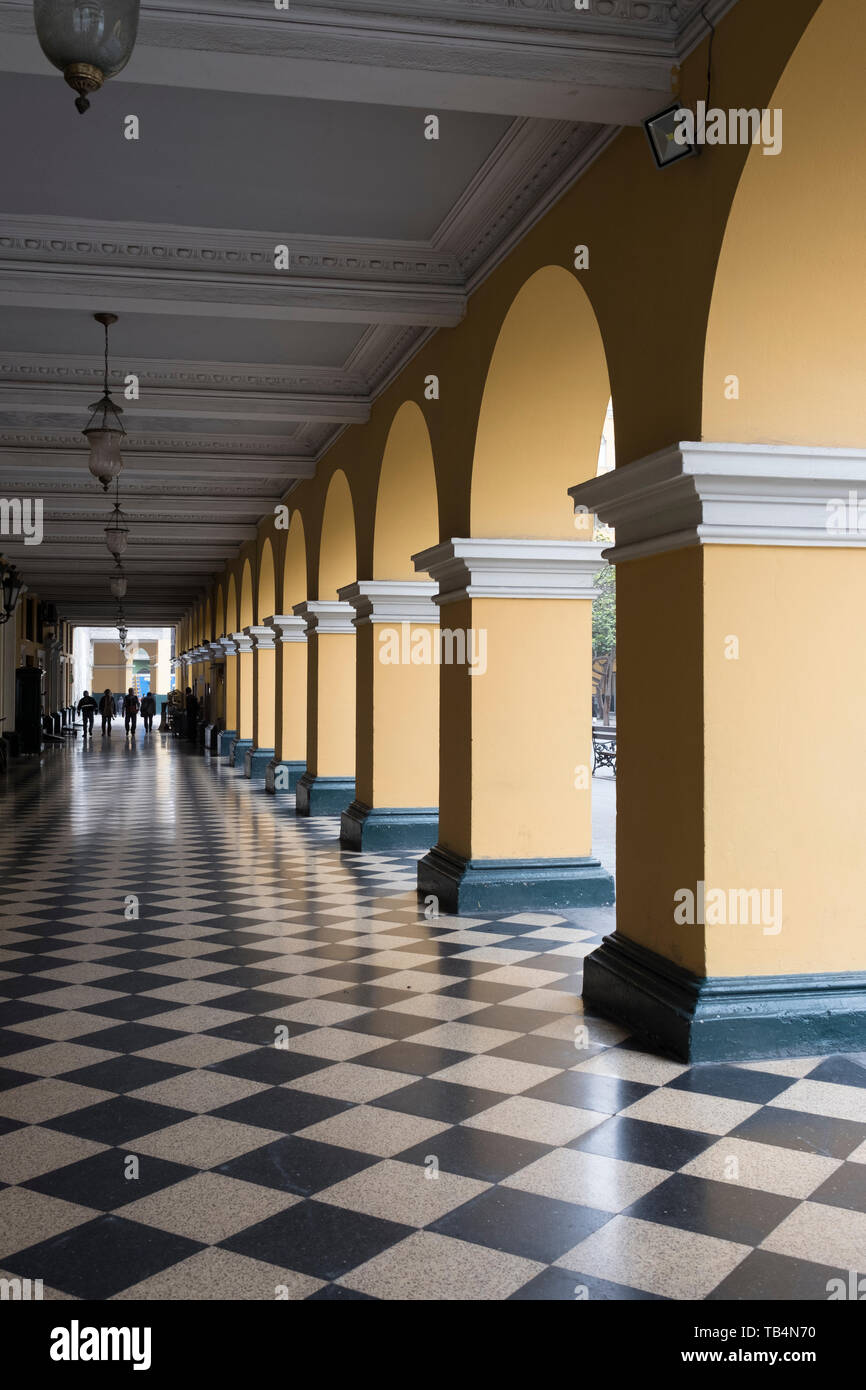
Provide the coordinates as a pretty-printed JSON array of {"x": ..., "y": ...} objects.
[
  {"x": 289, "y": 628},
  {"x": 731, "y": 494},
  {"x": 262, "y": 636},
  {"x": 392, "y": 601},
  {"x": 326, "y": 616},
  {"x": 482, "y": 568}
]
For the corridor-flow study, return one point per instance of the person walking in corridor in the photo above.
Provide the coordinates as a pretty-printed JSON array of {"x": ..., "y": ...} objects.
[
  {"x": 191, "y": 714},
  {"x": 87, "y": 709},
  {"x": 108, "y": 710},
  {"x": 131, "y": 706},
  {"x": 148, "y": 710}
]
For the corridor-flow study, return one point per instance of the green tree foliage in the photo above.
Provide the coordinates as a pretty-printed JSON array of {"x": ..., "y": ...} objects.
[{"x": 604, "y": 612}]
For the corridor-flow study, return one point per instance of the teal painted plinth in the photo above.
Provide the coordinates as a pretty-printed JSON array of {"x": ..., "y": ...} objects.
[
  {"x": 392, "y": 827},
  {"x": 283, "y": 776},
  {"x": 225, "y": 741},
  {"x": 491, "y": 886},
  {"x": 255, "y": 762},
  {"x": 238, "y": 750},
  {"x": 726, "y": 1018},
  {"x": 323, "y": 796}
]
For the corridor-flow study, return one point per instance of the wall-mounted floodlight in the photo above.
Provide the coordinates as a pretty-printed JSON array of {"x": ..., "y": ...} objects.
[{"x": 668, "y": 136}]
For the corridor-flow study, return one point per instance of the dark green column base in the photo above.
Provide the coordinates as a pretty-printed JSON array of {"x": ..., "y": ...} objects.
[
  {"x": 726, "y": 1018},
  {"x": 225, "y": 741},
  {"x": 512, "y": 885},
  {"x": 255, "y": 762},
  {"x": 323, "y": 796},
  {"x": 283, "y": 776},
  {"x": 388, "y": 827},
  {"x": 238, "y": 750}
]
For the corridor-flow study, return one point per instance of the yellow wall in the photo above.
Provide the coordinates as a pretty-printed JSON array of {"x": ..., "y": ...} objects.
[
  {"x": 397, "y": 721},
  {"x": 542, "y": 413},
  {"x": 789, "y": 303}
]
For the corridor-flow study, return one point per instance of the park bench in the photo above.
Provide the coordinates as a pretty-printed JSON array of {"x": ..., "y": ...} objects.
[{"x": 603, "y": 747}]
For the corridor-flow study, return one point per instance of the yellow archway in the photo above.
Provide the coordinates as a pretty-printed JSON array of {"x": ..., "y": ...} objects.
[
  {"x": 337, "y": 550},
  {"x": 295, "y": 564},
  {"x": 231, "y": 616},
  {"x": 231, "y": 676},
  {"x": 785, "y": 355},
  {"x": 266, "y": 591},
  {"x": 245, "y": 611},
  {"x": 542, "y": 412},
  {"x": 407, "y": 510}
]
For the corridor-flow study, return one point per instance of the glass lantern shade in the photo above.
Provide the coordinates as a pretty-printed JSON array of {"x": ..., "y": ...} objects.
[
  {"x": 116, "y": 535},
  {"x": 118, "y": 587},
  {"x": 103, "y": 432},
  {"x": 88, "y": 40},
  {"x": 105, "y": 460}
]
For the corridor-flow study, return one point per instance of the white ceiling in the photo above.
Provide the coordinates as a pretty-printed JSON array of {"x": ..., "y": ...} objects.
[{"x": 261, "y": 127}]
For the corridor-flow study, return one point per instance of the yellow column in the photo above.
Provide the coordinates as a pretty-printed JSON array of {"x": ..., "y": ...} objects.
[
  {"x": 230, "y": 732},
  {"x": 244, "y": 738},
  {"x": 740, "y": 593},
  {"x": 328, "y": 785},
  {"x": 397, "y": 716},
  {"x": 263, "y": 746},
  {"x": 213, "y": 677},
  {"x": 515, "y": 822},
  {"x": 290, "y": 733}
]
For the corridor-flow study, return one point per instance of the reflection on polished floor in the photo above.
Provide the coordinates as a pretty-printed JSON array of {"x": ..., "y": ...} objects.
[{"x": 279, "y": 1079}]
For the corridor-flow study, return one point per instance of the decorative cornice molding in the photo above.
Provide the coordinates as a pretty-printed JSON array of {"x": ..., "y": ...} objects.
[
  {"x": 482, "y": 568},
  {"x": 184, "y": 376},
  {"x": 243, "y": 643},
  {"x": 257, "y": 445},
  {"x": 530, "y": 162},
  {"x": 731, "y": 494},
  {"x": 218, "y": 252},
  {"x": 221, "y": 22},
  {"x": 391, "y": 601}
]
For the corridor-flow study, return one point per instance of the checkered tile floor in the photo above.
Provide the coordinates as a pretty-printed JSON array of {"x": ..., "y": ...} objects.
[{"x": 281, "y": 1080}]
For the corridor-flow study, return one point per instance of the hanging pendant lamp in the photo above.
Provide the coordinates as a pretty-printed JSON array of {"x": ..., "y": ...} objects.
[
  {"x": 88, "y": 40},
  {"x": 104, "y": 430},
  {"x": 117, "y": 531}
]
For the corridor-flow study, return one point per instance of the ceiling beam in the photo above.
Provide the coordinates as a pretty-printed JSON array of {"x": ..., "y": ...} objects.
[
  {"x": 43, "y": 400},
  {"x": 64, "y": 456},
  {"x": 510, "y": 57}
]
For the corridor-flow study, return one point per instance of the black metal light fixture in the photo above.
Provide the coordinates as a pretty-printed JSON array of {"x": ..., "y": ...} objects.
[
  {"x": 88, "y": 40},
  {"x": 122, "y": 629},
  {"x": 104, "y": 430},
  {"x": 11, "y": 585},
  {"x": 663, "y": 136},
  {"x": 667, "y": 131}
]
